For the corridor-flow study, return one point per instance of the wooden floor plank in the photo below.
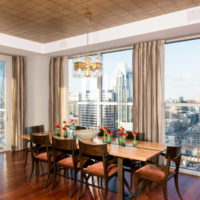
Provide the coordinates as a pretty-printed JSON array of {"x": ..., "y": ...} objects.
[{"x": 14, "y": 186}]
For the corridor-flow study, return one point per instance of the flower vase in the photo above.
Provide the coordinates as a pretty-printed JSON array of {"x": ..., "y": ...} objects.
[
  {"x": 104, "y": 138},
  {"x": 58, "y": 132},
  {"x": 119, "y": 140},
  {"x": 73, "y": 133},
  {"x": 65, "y": 133},
  {"x": 123, "y": 141},
  {"x": 108, "y": 139},
  {"x": 134, "y": 141}
]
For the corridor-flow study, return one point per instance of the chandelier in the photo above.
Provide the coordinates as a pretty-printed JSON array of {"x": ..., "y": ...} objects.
[{"x": 87, "y": 68}]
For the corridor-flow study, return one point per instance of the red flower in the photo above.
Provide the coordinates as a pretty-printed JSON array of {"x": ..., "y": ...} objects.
[
  {"x": 63, "y": 128},
  {"x": 110, "y": 132},
  {"x": 64, "y": 122},
  {"x": 121, "y": 134},
  {"x": 67, "y": 126},
  {"x": 105, "y": 127},
  {"x": 135, "y": 133},
  {"x": 72, "y": 120},
  {"x": 99, "y": 127}
]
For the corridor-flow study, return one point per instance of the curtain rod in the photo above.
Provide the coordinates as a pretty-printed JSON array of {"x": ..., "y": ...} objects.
[{"x": 183, "y": 38}]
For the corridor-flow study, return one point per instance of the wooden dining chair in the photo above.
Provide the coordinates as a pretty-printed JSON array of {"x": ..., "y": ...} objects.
[
  {"x": 106, "y": 168},
  {"x": 36, "y": 142},
  {"x": 30, "y": 130},
  {"x": 129, "y": 165},
  {"x": 65, "y": 149},
  {"x": 161, "y": 174}
]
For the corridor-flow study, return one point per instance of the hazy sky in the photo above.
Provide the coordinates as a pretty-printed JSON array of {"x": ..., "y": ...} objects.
[{"x": 182, "y": 70}]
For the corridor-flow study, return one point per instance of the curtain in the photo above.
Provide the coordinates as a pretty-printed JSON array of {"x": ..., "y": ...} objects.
[
  {"x": 58, "y": 91},
  {"x": 148, "y": 81},
  {"x": 19, "y": 95}
]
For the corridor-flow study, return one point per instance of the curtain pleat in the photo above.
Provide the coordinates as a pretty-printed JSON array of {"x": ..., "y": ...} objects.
[
  {"x": 19, "y": 96},
  {"x": 148, "y": 81},
  {"x": 58, "y": 91}
]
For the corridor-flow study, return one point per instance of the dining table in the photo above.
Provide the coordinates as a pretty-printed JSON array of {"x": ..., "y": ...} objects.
[{"x": 142, "y": 152}]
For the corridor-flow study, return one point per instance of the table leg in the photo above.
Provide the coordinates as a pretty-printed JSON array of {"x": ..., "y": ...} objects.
[{"x": 120, "y": 179}]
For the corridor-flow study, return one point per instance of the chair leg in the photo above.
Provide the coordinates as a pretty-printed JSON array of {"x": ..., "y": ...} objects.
[
  {"x": 136, "y": 185},
  {"x": 32, "y": 170},
  {"x": 74, "y": 186},
  {"x": 131, "y": 178},
  {"x": 81, "y": 186},
  {"x": 54, "y": 178},
  {"x": 164, "y": 185},
  {"x": 106, "y": 189},
  {"x": 176, "y": 184},
  {"x": 49, "y": 173},
  {"x": 26, "y": 156}
]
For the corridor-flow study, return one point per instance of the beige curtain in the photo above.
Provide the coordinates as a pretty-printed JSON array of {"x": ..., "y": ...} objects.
[
  {"x": 58, "y": 91},
  {"x": 148, "y": 81},
  {"x": 19, "y": 95}
]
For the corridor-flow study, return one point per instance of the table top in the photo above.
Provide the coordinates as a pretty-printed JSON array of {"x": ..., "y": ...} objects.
[{"x": 144, "y": 150}]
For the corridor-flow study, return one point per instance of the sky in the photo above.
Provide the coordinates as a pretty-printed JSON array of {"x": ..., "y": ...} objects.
[{"x": 182, "y": 70}]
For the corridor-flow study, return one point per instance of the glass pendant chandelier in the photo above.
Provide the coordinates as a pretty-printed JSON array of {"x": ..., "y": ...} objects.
[{"x": 87, "y": 68}]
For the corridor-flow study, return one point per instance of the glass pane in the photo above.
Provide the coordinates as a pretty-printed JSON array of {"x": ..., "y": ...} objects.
[
  {"x": 182, "y": 82},
  {"x": 88, "y": 115},
  {"x": 115, "y": 116},
  {"x": 82, "y": 89},
  {"x": 2, "y": 104},
  {"x": 117, "y": 84},
  {"x": 184, "y": 123}
]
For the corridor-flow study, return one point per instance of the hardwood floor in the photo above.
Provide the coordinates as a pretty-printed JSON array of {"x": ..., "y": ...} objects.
[{"x": 14, "y": 186}]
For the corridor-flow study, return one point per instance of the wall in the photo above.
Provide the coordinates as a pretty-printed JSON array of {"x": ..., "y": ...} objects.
[{"x": 37, "y": 90}]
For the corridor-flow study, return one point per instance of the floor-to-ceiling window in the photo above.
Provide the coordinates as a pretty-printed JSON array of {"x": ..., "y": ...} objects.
[
  {"x": 182, "y": 99},
  {"x": 107, "y": 100}
]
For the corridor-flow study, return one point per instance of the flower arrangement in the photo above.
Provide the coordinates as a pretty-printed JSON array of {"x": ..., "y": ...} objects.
[
  {"x": 105, "y": 130},
  {"x": 57, "y": 127},
  {"x": 65, "y": 126},
  {"x": 134, "y": 138},
  {"x": 122, "y": 136},
  {"x": 74, "y": 124},
  {"x": 109, "y": 133}
]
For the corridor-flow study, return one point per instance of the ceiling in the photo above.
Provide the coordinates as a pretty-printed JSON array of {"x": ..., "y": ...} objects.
[{"x": 50, "y": 20}]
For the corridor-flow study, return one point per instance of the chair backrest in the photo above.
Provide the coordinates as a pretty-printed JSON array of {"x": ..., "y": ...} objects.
[
  {"x": 40, "y": 139},
  {"x": 64, "y": 144},
  {"x": 34, "y": 129},
  {"x": 99, "y": 150},
  {"x": 173, "y": 153},
  {"x": 80, "y": 127}
]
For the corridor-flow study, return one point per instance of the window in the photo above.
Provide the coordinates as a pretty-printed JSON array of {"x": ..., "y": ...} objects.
[
  {"x": 182, "y": 98},
  {"x": 106, "y": 100}
]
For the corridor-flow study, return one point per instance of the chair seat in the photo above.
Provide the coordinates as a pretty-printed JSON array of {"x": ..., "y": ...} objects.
[
  {"x": 43, "y": 157},
  {"x": 153, "y": 171},
  {"x": 68, "y": 163},
  {"x": 98, "y": 169}
]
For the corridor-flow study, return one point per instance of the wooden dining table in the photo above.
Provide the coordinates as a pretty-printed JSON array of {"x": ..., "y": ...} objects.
[{"x": 143, "y": 152}]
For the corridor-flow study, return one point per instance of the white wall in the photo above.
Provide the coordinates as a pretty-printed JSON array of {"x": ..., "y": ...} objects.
[{"x": 37, "y": 90}]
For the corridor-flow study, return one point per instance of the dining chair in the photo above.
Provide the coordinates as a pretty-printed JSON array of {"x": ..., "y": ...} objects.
[
  {"x": 30, "y": 130},
  {"x": 36, "y": 142},
  {"x": 161, "y": 174},
  {"x": 129, "y": 165},
  {"x": 106, "y": 168},
  {"x": 66, "y": 149}
]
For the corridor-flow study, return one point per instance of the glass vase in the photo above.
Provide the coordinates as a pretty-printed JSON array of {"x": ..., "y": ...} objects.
[
  {"x": 108, "y": 139},
  {"x": 134, "y": 141},
  {"x": 104, "y": 138},
  {"x": 65, "y": 134},
  {"x": 73, "y": 133},
  {"x": 123, "y": 141},
  {"x": 58, "y": 132},
  {"x": 119, "y": 140}
]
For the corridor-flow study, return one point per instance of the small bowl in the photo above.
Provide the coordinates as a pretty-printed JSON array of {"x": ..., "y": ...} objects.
[{"x": 86, "y": 134}]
